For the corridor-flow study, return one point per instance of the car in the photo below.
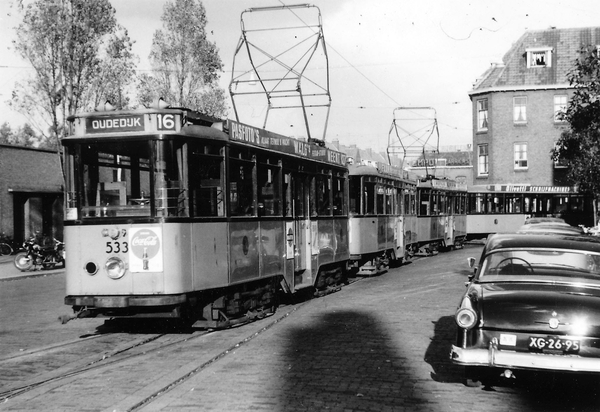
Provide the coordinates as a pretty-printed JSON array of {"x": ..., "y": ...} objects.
[{"x": 532, "y": 303}]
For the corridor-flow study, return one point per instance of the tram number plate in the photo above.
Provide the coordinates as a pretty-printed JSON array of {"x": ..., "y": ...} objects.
[{"x": 553, "y": 344}]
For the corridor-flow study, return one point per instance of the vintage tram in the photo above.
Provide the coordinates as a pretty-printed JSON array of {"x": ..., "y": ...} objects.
[
  {"x": 441, "y": 214},
  {"x": 170, "y": 213},
  {"x": 504, "y": 208},
  {"x": 394, "y": 215},
  {"x": 382, "y": 216}
]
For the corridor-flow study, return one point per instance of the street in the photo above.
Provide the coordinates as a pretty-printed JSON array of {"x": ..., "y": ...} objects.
[{"x": 379, "y": 344}]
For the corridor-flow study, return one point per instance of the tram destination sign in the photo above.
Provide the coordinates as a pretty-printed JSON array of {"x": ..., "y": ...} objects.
[
  {"x": 116, "y": 124},
  {"x": 269, "y": 140}
]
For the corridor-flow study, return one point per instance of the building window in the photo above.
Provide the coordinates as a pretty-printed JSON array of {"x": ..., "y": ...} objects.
[
  {"x": 539, "y": 57},
  {"x": 482, "y": 160},
  {"x": 520, "y": 156},
  {"x": 520, "y": 109},
  {"x": 560, "y": 107},
  {"x": 560, "y": 163},
  {"x": 482, "y": 115}
]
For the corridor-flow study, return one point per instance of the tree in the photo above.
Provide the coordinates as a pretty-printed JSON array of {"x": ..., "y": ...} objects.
[
  {"x": 66, "y": 43},
  {"x": 579, "y": 146},
  {"x": 23, "y": 136},
  {"x": 185, "y": 65}
]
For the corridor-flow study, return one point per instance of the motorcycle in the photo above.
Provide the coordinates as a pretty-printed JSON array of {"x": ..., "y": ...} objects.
[{"x": 34, "y": 255}]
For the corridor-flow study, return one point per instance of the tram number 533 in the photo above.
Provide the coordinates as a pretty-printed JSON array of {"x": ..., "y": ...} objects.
[{"x": 117, "y": 247}]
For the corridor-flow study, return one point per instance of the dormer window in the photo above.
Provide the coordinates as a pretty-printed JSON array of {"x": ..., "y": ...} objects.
[{"x": 539, "y": 57}]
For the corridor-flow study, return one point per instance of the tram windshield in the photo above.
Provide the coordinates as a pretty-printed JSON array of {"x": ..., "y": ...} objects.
[{"x": 120, "y": 178}]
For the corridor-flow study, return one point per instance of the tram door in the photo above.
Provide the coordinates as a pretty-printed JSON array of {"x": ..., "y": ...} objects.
[{"x": 300, "y": 185}]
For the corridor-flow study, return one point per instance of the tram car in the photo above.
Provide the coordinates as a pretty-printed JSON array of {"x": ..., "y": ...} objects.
[
  {"x": 504, "y": 208},
  {"x": 441, "y": 215},
  {"x": 170, "y": 213},
  {"x": 382, "y": 216}
]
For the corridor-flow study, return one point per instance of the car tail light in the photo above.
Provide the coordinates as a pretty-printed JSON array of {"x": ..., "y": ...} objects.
[{"x": 466, "y": 318}]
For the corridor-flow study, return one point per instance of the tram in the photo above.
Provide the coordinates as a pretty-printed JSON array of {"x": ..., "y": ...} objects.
[
  {"x": 382, "y": 218},
  {"x": 441, "y": 215},
  {"x": 171, "y": 213},
  {"x": 504, "y": 208}
]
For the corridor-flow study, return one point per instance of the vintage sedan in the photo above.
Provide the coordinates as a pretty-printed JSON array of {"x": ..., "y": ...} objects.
[{"x": 532, "y": 303}]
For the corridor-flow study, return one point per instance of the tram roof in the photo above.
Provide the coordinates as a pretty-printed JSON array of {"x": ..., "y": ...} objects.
[
  {"x": 180, "y": 121},
  {"x": 381, "y": 170}
]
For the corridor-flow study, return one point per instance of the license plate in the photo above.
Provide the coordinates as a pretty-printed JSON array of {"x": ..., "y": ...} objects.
[{"x": 553, "y": 344}]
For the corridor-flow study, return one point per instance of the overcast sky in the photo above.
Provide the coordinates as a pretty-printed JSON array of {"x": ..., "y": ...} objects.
[{"x": 382, "y": 53}]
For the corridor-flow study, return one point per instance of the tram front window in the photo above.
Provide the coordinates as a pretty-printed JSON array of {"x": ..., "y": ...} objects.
[{"x": 113, "y": 179}]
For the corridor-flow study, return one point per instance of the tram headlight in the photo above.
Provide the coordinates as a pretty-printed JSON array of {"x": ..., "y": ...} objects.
[{"x": 115, "y": 268}]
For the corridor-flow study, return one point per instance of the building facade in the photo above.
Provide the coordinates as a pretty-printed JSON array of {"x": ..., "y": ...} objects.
[
  {"x": 31, "y": 192},
  {"x": 516, "y": 106}
]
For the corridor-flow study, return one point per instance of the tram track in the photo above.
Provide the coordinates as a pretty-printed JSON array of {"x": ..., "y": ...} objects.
[
  {"x": 142, "y": 348},
  {"x": 96, "y": 361},
  {"x": 121, "y": 353},
  {"x": 144, "y": 353}
]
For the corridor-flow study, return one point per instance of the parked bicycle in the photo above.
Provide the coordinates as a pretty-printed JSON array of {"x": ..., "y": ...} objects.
[{"x": 7, "y": 245}]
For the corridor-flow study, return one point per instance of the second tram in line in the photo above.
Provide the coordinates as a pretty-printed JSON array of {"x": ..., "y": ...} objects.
[{"x": 393, "y": 216}]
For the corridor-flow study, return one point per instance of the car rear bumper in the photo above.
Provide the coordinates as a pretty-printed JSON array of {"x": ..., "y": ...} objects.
[{"x": 493, "y": 357}]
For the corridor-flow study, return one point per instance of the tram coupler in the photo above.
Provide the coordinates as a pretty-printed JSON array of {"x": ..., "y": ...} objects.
[{"x": 82, "y": 313}]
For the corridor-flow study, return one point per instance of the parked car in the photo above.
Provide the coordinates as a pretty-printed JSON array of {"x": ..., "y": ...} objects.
[{"x": 533, "y": 304}]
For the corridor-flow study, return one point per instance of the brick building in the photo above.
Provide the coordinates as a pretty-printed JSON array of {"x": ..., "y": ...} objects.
[
  {"x": 515, "y": 106},
  {"x": 31, "y": 192}
]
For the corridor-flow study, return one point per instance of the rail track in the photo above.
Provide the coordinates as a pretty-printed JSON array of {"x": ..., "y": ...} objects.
[{"x": 29, "y": 383}]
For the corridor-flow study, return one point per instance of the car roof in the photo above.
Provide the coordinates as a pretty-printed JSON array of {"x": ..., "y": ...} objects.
[
  {"x": 536, "y": 220},
  {"x": 542, "y": 240},
  {"x": 557, "y": 228}
]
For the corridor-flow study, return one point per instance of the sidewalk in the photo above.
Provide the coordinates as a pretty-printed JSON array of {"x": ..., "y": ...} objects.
[{"x": 8, "y": 271}]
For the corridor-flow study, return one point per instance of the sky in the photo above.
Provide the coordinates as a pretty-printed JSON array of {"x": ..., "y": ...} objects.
[{"x": 382, "y": 55}]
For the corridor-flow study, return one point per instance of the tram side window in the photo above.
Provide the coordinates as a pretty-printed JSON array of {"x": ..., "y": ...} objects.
[
  {"x": 380, "y": 202},
  {"x": 339, "y": 191},
  {"x": 206, "y": 183},
  {"x": 354, "y": 198},
  {"x": 300, "y": 190},
  {"x": 241, "y": 187},
  {"x": 514, "y": 203},
  {"x": 409, "y": 202},
  {"x": 463, "y": 204},
  {"x": 425, "y": 203},
  {"x": 369, "y": 198},
  {"x": 287, "y": 194},
  {"x": 435, "y": 204},
  {"x": 395, "y": 203},
  {"x": 498, "y": 203},
  {"x": 170, "y": 186},
  {"x": 323, "y": 195},
  {"x": 444, "y": 201},
  {"x": 269, "y": 196}
]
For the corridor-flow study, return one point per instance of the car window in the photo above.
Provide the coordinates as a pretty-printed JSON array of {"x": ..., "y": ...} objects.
[{"x": 506, "y": 265}]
